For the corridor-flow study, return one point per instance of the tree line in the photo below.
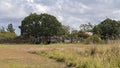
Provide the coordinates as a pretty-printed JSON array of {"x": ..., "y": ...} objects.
[{"x": 45, "y": 27}]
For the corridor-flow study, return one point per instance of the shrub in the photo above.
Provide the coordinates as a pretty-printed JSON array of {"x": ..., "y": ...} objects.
[
  {"x": 7, "y": 35},
  {"x": 83, "y": 35},
  {"x": 93, "y": 39}
]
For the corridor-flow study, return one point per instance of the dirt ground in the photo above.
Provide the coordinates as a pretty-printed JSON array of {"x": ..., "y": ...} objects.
[{"x": 17, "y": 56}]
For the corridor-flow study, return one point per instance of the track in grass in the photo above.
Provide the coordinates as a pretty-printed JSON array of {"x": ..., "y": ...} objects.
[{"x": 16, "y": 56}]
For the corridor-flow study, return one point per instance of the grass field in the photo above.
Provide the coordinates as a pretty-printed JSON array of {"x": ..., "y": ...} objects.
[{"x": 60, "y": 56}]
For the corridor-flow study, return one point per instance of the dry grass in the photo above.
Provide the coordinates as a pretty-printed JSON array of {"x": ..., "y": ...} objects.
[
  {"x": 83, "y": 56},
  {"x": 17, "y": 56},
  {"x": 60, "y": 56}
]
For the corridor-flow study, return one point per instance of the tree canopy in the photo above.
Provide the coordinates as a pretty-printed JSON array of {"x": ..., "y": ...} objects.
[
  {"x": 108, "y": 29},
  {"x": 40, "y": 25}
]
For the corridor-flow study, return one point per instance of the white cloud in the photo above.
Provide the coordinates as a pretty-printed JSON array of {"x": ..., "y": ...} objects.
[
  {"x": 69, "y": 12},
  {"x": 31, "y": 1},
  {"x": 40, "y": 9},
  {"x": 116, "y": 12},
  {"x": 5, "y": 6},
  {"x": 10, "y": 9}
]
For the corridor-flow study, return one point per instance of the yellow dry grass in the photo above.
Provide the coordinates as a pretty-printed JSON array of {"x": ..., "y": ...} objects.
[
  {"x": 47, "y": 56},
  {"x": 17, "y": 56}
]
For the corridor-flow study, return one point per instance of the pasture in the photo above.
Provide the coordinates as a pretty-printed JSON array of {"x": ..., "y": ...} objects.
[{"x": 60, "y": 56}]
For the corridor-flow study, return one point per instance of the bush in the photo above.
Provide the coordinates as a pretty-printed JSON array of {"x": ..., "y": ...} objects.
[
  {"x": 93, "y": 39},
  {"x": 83, "y": 35},
  {"x": 7, "y": 35}
]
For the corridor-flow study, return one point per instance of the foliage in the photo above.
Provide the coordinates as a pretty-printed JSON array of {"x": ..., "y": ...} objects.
[
  {"x": 97, "y": 30},
  {"x": 74, "y": 33},
  {"x": 82, "y": 35},
  {"x": 2, "y": 29},
  {"x": 10, "y": 28},
  {"x": 40, "y": 25},
  {"x": 93, "y": 39},
  {"x": 7, "y": 35},
  {"x": 108, "y": 29},
  {"x": 86, "y": 27},
  {"x": 66, "y": 31}
]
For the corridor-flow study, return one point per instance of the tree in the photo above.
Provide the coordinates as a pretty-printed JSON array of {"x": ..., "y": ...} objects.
[
  {"x": 29, "y": 25},
  {"x": 10, "y": 28},
  {"x": 2, "y": 29},
  {"x": 40, "y": 25},
  {"x": 74, "y": 33},
  {"x": 108, "y": 29},
  {"x": 66, "y": 30},
  {"x": 97, "y": 30},
  {"x": 86, "y": 27},
  {"x": 50, "y": 25},
  {"x": 74, "y": 36}
]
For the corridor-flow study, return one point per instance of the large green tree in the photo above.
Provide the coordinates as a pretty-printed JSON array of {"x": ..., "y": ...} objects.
[
  {"x": 29, "y": 25},
  {"x": 36, "y": 25},
  {"x": 108, "y": 29},
  {"x": 50, "y": 25}
]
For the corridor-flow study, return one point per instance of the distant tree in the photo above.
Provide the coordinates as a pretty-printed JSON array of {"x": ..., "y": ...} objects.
[
  {"x": 2, "y": 29},
  {"x": 74, "y": 33},
  {"x": 74, "y": 36},
  {"x": 40, "y": 25},
  {"x": 86, "y": 27},
  {"x": 108, "y": 29},
  {"x": 66, "y": 31},
  {"x": 10, "y": 28}
]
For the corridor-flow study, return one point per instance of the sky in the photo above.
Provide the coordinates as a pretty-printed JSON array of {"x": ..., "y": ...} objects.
[{"x": 68, "y": 12}]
